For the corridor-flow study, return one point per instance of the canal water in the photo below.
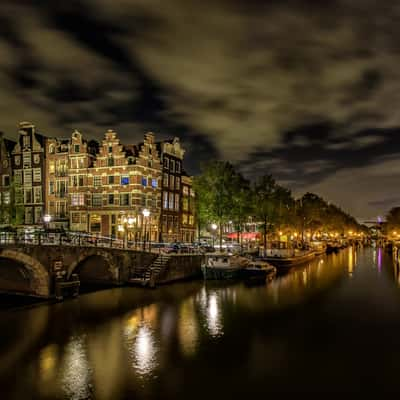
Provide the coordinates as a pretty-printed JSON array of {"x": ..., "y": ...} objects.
[{"x": 332, "y": 325}]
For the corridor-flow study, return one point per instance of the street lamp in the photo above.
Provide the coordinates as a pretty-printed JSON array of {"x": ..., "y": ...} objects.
[
  {"x": 214, "y": 228},
  {"x": 127, "y": 222},
  {"x": 47, "y": 219},
  {"x": 146, "y": 214}
]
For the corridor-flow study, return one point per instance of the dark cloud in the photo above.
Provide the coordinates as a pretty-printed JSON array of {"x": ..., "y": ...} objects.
[{"x": 307, "y": 90}]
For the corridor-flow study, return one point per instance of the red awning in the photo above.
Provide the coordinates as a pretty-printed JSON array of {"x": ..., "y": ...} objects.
[{"x": 244, "y": 235}]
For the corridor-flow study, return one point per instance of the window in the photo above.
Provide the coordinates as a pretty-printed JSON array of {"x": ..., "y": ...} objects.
[
  {"x": 176, "y": 224},
  {"x": 124, "y": 180},
  {"x": 171, "y": 201},
  {"x": 110, "y": 161},
  {"x": 95, "y": 223},
  {"x": 19, "y": 196},
  {"x": 191, "y": 220},
  {"x": 143, "y": 200},
  {"x": 177, "y": 202},
  {"x": 74, "y": 180},
  {"x": 172, "y": 166},
  {"x": 26, "y": 157},
  {"x": 28, "y": 196},
  {"x": 111, "y": 199},
  {"x": 26, "y": 141},
  {"x": 51, "y": 149},
  {"x": 131, "y": 160},
  {"x": 37, "y": 194},
  {"x": 97, "y": 181},
  {"x": 37, "y": 175},
  {"x": 110, "y": 149},
  {"x": 38, "y": 215},
  {"x": 17, "y": 160},
  {"x": 185, "y": 190},
  {"x": 51, "y": 187},
  {"x": 75, "y": 218},
  {"x": 184, "y": 219},
  {"x": 77, "y": 199},
  {"x": 97, "y": 199},
  {"x": 6, "y": 198},
  {"x": 77, "y": 148},
  {"x": 185, "y": 204},
  {"x": 177, "y": 183},
  {"x": 165, "y": 180},
  {"x": 178, "y": 167},
  {"x": 154, "y": 183},
  {"x": 18, "y": 177},
  {"x": 61, "y": 187},
  {"x": 150, "y": 164},
  {"x": 166, "y": 163},
  {"x": 80, "y": 180},
  {"x": 6, "y": 180},
  {"x": 27, "y": 177},
  {"x": 28, "y": 215},
  {"x": 51, "y": 167},
  {"x": 165, "y": 200},
  {"x": 124, "y": 199},
  {"x": 171, "y": 182},
  {"x": 111, "y": 179},
  {"x": 144, "y": 181},
  {"x": 36, "y": 158}
]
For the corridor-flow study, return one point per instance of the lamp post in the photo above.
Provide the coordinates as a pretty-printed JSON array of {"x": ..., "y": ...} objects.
[
  {"x": 127, "y": 222},
  {"x": 214, "y": 228},
  {"x": 145, "y": 213},
  {"x": 46, "y": 220}
]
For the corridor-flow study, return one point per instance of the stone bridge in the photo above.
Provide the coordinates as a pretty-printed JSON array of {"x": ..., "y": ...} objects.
[{"x": 33, "y": 269}]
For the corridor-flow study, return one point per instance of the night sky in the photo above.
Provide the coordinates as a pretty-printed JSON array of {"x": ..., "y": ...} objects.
[{"x": 306, "y": 90}]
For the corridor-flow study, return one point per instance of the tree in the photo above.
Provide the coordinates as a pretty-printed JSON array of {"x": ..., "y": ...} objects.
[
  {"x": 241, "y": 203},
  {"x": 215, "y": 187},
  {"x": 393, "y": 219},
  {"x": 272, "y": 204}
]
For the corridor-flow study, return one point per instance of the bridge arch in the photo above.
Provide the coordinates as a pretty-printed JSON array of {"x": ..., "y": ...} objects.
[
  {"x": 100, "y": 254},
  {"x": 40, "y": 281}
]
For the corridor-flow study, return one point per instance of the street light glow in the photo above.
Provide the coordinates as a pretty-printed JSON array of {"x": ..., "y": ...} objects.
[
  {"x": 146, "y": 212},
  {"x": 214, "y": 226},
  {"x": 47, "y": 218}
]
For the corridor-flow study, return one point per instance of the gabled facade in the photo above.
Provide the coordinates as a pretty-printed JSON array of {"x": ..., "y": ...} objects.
[
  {"x": 56, "y": 183},
  {"x": 7, "y": 208},
  {"x": 188, "y": 209},
  {"x": 124, "y": 181},
  {"x": 28, "y": 165},
  {"x": 172, "y": 158}
]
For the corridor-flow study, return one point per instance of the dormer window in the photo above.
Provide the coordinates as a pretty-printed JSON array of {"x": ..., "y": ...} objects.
[
  {"x": 110, "y": 149},
  {"x": 77, "y": 148},
  {"x": 51, "y": 149}
]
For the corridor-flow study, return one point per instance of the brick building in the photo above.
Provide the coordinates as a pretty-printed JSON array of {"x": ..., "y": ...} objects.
[
  {"x": 7, "y": 200},
  {"x": 122, "y": 182},
  {"x": 28, "y": 165},
  {"x": 187, "y": 209},
  {"x": 56, "y": 181},
  {"x": 171, "y": 158}
]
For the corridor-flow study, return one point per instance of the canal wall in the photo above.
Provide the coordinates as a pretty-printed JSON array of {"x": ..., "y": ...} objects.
[{"x": 180, "y": 267}]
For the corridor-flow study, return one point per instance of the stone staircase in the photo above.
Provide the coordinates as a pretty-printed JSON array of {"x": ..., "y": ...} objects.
[{"x": 146, "y": 276}]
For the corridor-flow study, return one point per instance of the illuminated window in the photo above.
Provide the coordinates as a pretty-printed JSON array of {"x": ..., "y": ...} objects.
[
  {"x": 26, "y": 158},
  {"x": 77, "y": 199},
  {"x": 144, "y": 181},
  {"x": 171, "y": 201},
  {"x": 178, "y": 167},
  {"x": 176, "y": 202},
  {"x": 51, "y": 167},
  {"x": 124, "y": 180},
  {"x": 17, "y": 160},
  {"x": 177, "y": 183},
  {"x": 18, "y": 177},
  {"x": 37, "y": 194},
  {"x": 165, "y": 180},
  {"x": 165, "y": 200},
  {"x": 97, "y": 181},
  {"x": 97, "y": 199},
  {"x": 6, "y": 197},
  {"x": 154, "y": 183},
  {"x": 171, "y": 182},
  {"x": 28, "y": 215},
  {"x": 36, "y": 158},
  {"x": 37, "y": 175},
  {"x": 27, "y": 177}
]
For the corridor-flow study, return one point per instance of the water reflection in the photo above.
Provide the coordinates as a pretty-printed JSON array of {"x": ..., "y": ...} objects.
[
  {"x": 139, "y": 338},
  {"x": 188, "y": 327},
  {"x": 210, "y": 304},
  {"x": 76, "y": 372}
]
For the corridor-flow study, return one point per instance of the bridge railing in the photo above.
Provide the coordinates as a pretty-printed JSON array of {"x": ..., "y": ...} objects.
[{"x": 80, "y": 239}]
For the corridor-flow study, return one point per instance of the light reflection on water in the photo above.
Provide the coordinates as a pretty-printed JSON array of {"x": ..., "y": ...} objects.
[{"x": 135, "y": 348}]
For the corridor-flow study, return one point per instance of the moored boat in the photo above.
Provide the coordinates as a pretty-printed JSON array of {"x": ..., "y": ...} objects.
[
  {"x": 281, "y": 262},
  {"x": 229, "y": 267}
]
